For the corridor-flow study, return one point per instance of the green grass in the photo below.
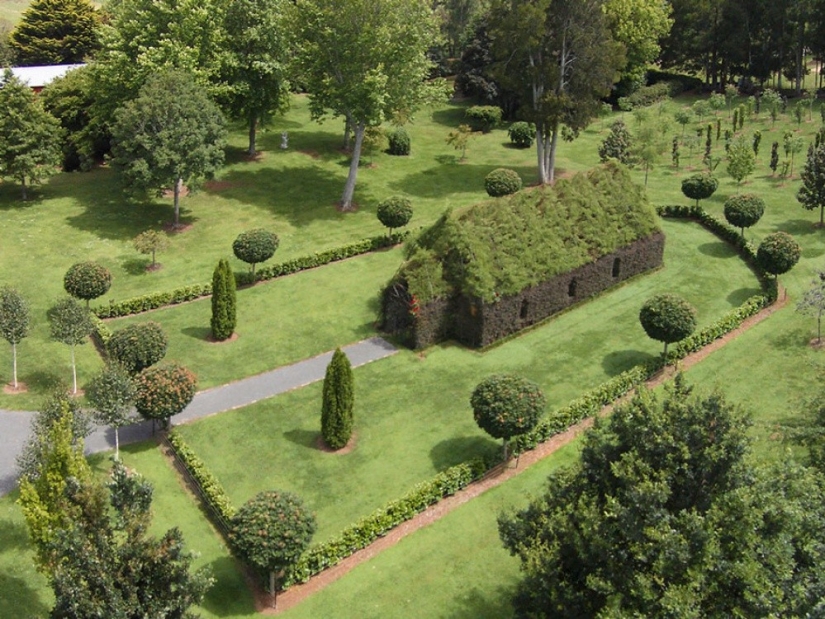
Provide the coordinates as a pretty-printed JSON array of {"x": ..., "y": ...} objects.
[{"x": 413, "y": 409}]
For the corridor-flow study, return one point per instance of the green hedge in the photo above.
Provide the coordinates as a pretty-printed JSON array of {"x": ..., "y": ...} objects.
[
  {"x": 156, "y": 300},
  {"x": 367, "y": 530},
  {"x": 211, "y": 490}
]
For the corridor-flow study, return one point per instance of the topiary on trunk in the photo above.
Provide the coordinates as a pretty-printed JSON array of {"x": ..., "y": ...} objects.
[
  {"x": 395, "y": 212},
  {"x": 667, "y": 318},
  {"x": 744, "y": 210},
  {"x": 87, "y": 280},
  {"x": 338, "y": 400},
  {"x": 137, "y": 346},
  {"x": 254, "y": 246},
  {"x": 164, "y": 391},
  {"x": 223, "y": 301},
  {"x": 778, "y": 253},
  {"x": 699, "y": 187}
]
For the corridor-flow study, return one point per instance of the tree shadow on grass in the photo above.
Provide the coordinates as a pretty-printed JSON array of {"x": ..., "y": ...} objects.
[
  {"x": 740, "y": 295},
  {"x": 136, "y": 266},
  {"x": 441, "y": 180},
  {"x": 452, "y": 116},
  {"x": 198, "y": 333},
  {"x": 798, "y": 227},
  {"x": 18, "y": 599},
  {"x": 619, "y": 361},
  {"x": 229, "y": 596},
  {"x": 717, "y": 249},
  {"x": 456, "y": 450},
  {"x": 488, "y": 603},
  {"x": 303, "y": 438}
]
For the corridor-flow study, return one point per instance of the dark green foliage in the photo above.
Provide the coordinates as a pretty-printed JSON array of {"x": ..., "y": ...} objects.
[
  {"x": 699, "y": 186},
  {"x": 108, "y": 564},
  {"x": 29, "y": 136},
  {"x": 399, "y": 141},
  {"x": 254, "y": 246},
  {"x": 667, "y": 318},
  {"x": 522, "y": 134},
  {"x": 757, "y": 138},
  {"x": 395, "y": 212},
  {"x": 71, "y": 324},
  {"x": 223, "y": 301},
  {"x": 648, "y": 95},
  {"x": 812, "y": 193},
  {"x": 744, "y": 210},
  {"x": 163, "y": 391},
  {"x": 56, "y": 32},
  {"x": 702, "y": 532},
  {"x": 87, "y": 280},
  {"x": 483, "y": 117},
  {"x": 271, "y": 531},
  {"x": 618, "y": 143},
  {"x": 774, "y": 157},
  {"x": 338, "y": 401},
  {"x": 14, "y": 322},
  {"x": 502, "y": 182},
  {"x": 137, "y": 346},
  {"x": 778, "y": 253},
  {"x": 567, "y": 225},
  {"x": 505, "y": 406}
]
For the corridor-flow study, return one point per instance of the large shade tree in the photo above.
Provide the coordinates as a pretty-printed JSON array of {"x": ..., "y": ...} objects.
[
  {"x": 665, "y": 515},
  {"x": 29, "y": 136},
  {"x": 255, "y": 61},
  {"x": 560, "y": 57},
  {"x": 56, "y": 32},
  {"x": 170, "y": 136},
  {"x": 365, "y": 61}
]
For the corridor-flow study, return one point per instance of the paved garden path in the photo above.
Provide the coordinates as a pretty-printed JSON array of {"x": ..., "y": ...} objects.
[{"x": 15, "y": 425}]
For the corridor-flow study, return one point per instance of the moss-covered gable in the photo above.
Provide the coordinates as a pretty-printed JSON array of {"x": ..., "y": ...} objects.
[{"x": 501, "y": 246}]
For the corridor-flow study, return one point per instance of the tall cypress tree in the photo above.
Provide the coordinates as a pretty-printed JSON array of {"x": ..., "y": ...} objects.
[
  {"x": 223, "y": 301},
  {"x": 56, "y": 32},
  {"x": 338, "y": 400}
]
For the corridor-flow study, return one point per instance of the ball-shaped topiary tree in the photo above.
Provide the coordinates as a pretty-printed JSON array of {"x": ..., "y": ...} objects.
[
  {"x": 338, "y": 401},
  {"x": 667, "y": 318},
  {"x": 395, "y": 212},
  {"x": 255, "y": 246},
  {"x": 399, "y": 142},
  {"x": 502, "y": 182},
  {"x": 87, "y": 280},
  {"x": 522, "y": 134},
  {"x": 163, "y": 391},
  {"x": 224, "y": 301},
  {"x": 699, "y": 186},
  {"x": 137, "y": 346},
  {"x": 505, "y": 406},
  {"x": 271, "y": 531},
  {"x": 778, "y": 253},
  {"x": 744, "y": 210}
]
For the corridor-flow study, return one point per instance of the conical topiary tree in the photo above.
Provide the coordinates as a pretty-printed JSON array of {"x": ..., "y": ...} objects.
[
  {"x": 338, "y": 400},
  {"x": 223, "y": 301}
]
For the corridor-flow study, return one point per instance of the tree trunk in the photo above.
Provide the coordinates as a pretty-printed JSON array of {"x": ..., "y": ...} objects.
[
  {"x": 349, "y": 188},
  {"x": 117, "y": 444},
  {"x": 541, "y": 146},
  {"x": 178, "y": 184},
  {"x": 551, "y": 156},
  {"x": 14, "y": 364},
  {"x": 253, "y": 125},
  {"x": 272, "y": 587},
  {"x": 23, "y": 187},
  {"x": 74, "y": 372}
]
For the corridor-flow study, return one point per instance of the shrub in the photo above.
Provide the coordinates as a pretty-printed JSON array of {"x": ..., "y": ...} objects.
[
  {"x": 87, "y": 280},
  {"x": 150, "y": 242},
  {"x": 223, "y": 301},
  {"x": 505, "y": 406},
  {"x": 699, "y": 186},
  {"x": 399, "y": 141},
  {"x": 338, "y": 400},
  {"x": 617, "y": 144},
  {"x": 395, "y": 212},
  {"x": 163, "y": 391},
  {"x": 778, "y": 253},
  {"x": 667, "y": 318},
  {"x": 254, "y": 246},
  {"x": 271, "y": 531},
  {"x": 522, "y": 134},
  {"x": 502, "y": 182},
  {"x": 483, "y": 117},
  {"x": 137, "y": 346},
  {"x": 744, "y": 210}
]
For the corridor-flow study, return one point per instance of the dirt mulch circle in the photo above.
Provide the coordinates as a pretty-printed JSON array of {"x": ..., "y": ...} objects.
[
  {"x": 218, "y": 186},
  {"x": 296, "y": 594},
  {"x": 231, "y": 338},
  {"x": 10, "y": 389},
  {"x": 321, "y": 445}
]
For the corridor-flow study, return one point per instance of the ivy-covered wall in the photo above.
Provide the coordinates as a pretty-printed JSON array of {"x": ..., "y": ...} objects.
[{"x": 478, "y": 323}]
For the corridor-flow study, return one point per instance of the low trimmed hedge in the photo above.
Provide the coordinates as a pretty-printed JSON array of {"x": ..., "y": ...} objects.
[
  {"x": 156, "y": 300},
  {"x": 368, "y": 529},
  {"x": 211, "y": 489}
]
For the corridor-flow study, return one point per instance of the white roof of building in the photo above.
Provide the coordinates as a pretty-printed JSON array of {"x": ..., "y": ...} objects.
[{"x": 37, "y": 77}]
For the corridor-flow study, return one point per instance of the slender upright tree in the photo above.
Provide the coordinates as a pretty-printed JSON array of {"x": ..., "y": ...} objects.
[
  {"x": 338, "y": 401},
  {"x": 14, "y": 323},
  {"x": 71, "y": 324},
  {"x": 223, "y": 301},
  {"x": 812, "y": 193},
  {"x": 112, "y": 394}
]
